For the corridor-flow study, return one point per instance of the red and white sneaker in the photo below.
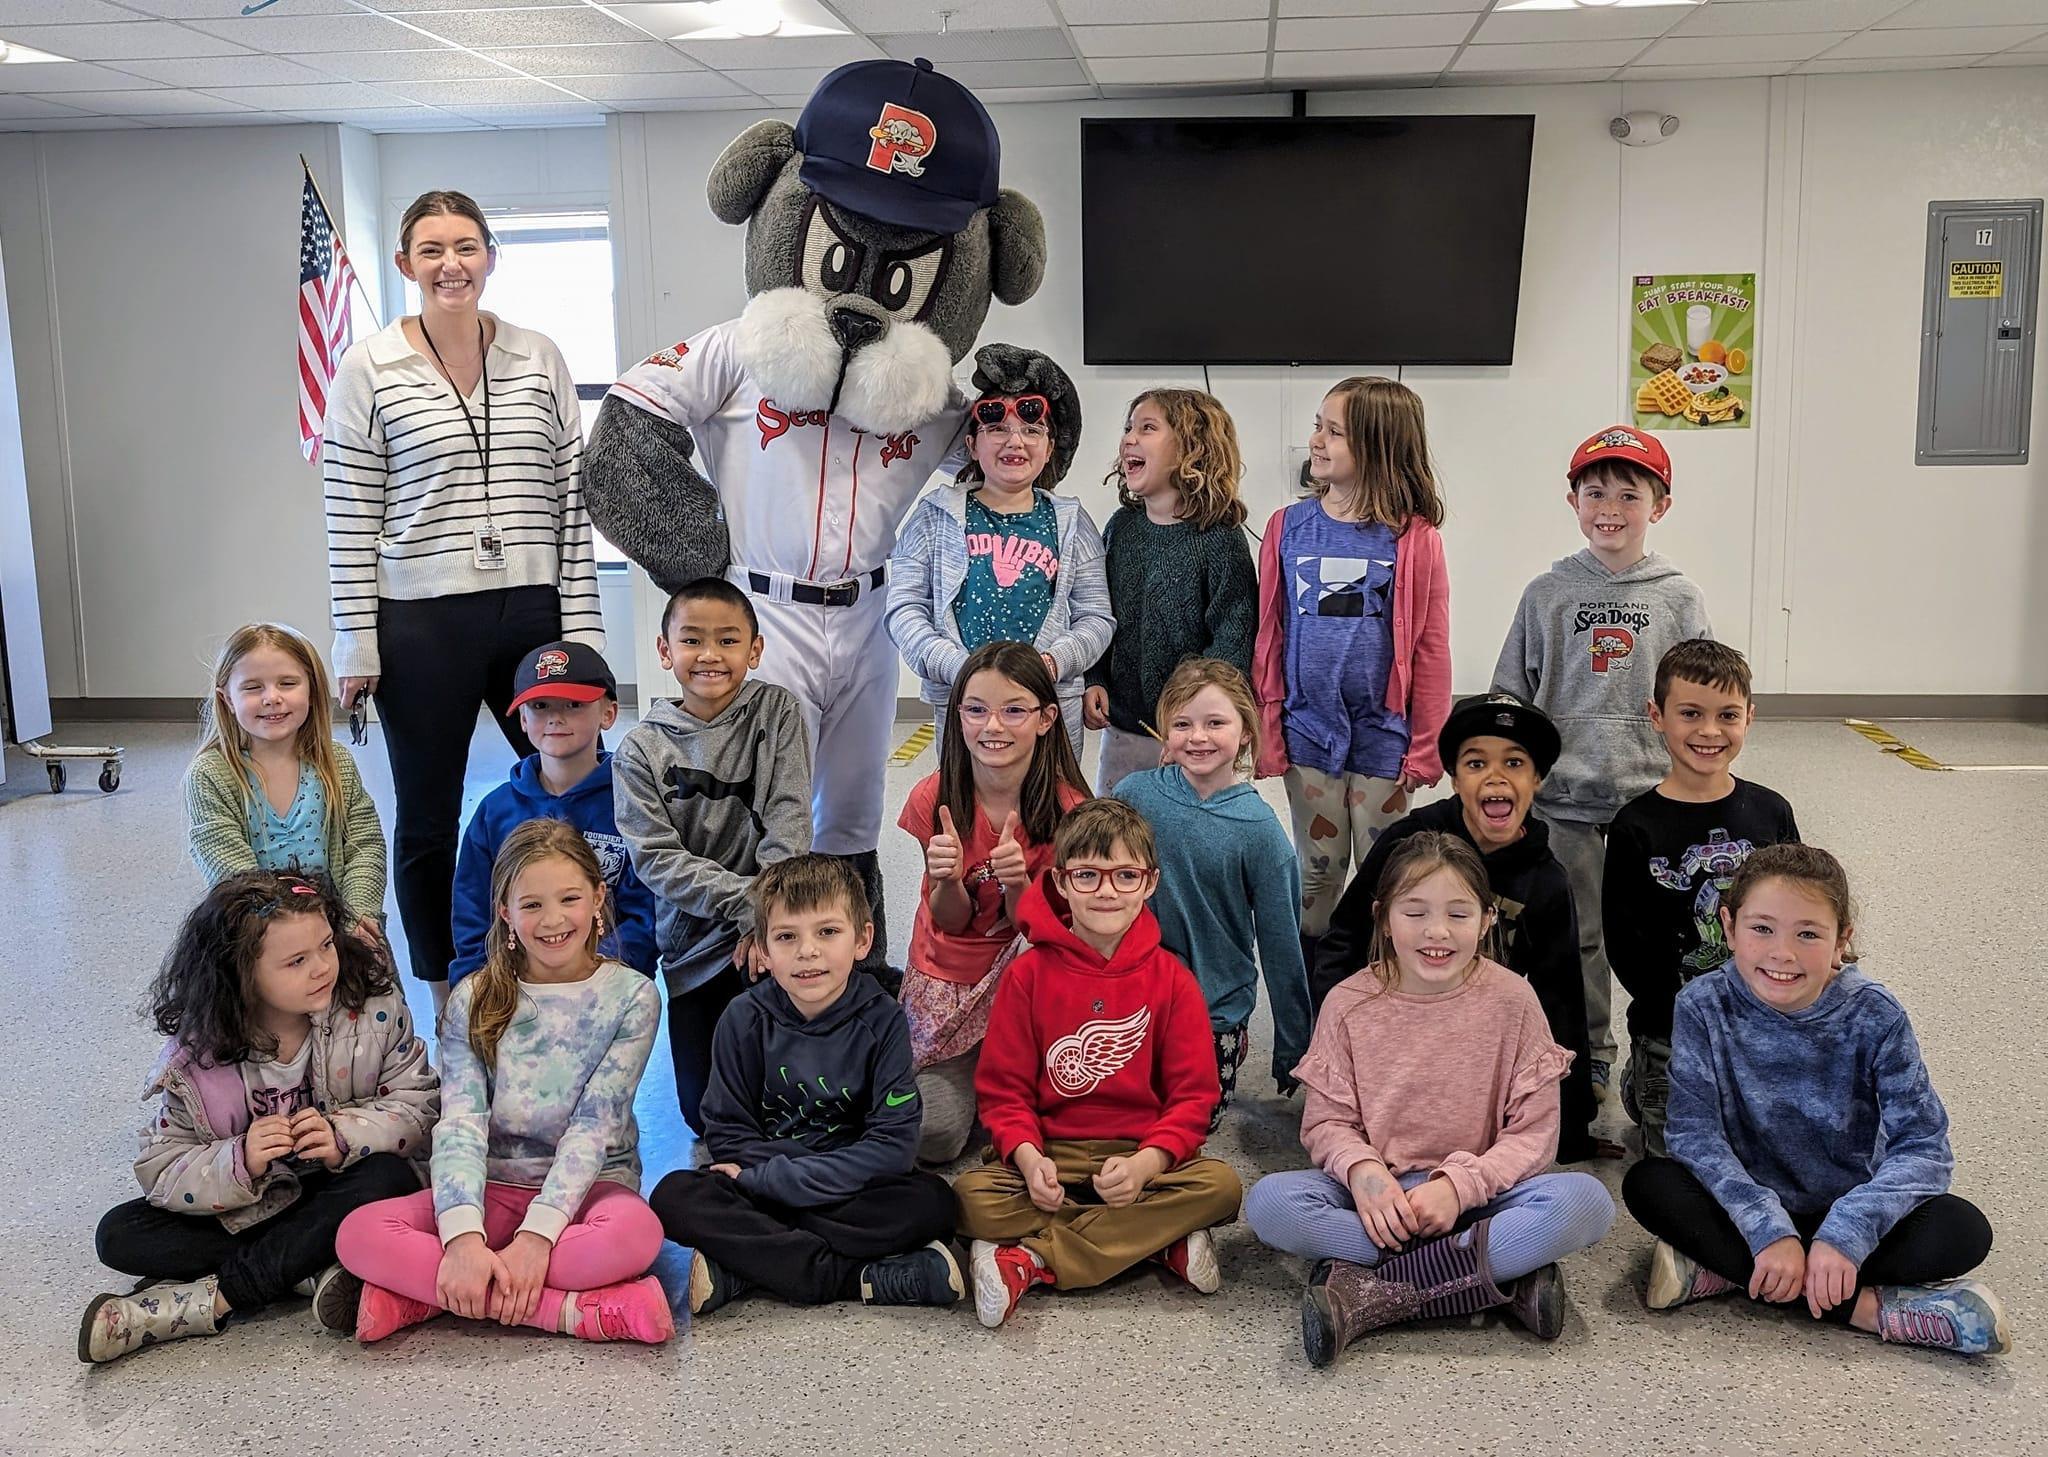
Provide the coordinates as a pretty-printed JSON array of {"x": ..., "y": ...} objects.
[
  {"x": 381, "y": 1312},
  {"x": 1002, "y": 1273},
  {"x": 1194, "y": 1260}
]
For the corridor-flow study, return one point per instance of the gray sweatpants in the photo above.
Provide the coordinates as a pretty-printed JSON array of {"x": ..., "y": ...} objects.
[
  {"x": 946, "y": 1092},
  {"x": 1582, "y": 849}
]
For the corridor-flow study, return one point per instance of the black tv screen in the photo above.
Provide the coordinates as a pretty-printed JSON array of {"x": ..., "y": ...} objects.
[{"x": 1316, "y": 240}]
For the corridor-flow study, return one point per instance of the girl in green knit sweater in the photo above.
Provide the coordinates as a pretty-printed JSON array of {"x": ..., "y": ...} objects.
[{"x": 269, "y": 788}]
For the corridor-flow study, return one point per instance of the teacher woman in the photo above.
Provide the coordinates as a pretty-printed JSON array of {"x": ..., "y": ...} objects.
[{"x": 456, "y": 538}]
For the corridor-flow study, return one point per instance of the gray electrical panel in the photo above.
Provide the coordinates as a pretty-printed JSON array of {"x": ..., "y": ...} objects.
[{"x": 1977, "y": 332}]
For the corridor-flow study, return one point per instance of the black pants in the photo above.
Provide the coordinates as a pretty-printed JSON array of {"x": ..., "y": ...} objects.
[
  {"x": 1940, "y": 1239},
  {"x": 811, "y": 1255},
  {"x": 441, "y": 658},
  {"x": 262, "y": 1263},
  {"x": 692, "y": 1017}
]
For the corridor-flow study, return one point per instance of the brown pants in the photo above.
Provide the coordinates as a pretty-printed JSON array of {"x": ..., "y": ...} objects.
[{"x": 1085, "y": 1242}]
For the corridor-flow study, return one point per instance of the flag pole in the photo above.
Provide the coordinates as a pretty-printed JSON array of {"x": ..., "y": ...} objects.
[{"x": 355, "y": 277}]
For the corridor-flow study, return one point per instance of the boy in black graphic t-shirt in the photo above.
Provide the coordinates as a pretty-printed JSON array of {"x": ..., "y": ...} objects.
[{"x": 1671, "y": 853}]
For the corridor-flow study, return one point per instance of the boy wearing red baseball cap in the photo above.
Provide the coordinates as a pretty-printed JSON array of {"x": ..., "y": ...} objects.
[{"x": 1583, "y": 647}]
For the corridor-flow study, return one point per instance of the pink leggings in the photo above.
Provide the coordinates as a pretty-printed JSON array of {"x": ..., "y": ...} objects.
[{"x": 396, "y": 1243}]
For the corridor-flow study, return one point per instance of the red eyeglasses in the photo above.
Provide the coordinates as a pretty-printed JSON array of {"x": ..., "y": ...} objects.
[{"x": 1030, "y": 409}]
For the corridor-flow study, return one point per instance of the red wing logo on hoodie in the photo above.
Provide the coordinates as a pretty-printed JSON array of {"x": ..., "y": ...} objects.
[{"x": 1095, "y": 1051}]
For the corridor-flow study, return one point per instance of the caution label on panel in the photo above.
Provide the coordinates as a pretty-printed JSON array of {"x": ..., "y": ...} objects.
[{"x": 1977, "y": 280}]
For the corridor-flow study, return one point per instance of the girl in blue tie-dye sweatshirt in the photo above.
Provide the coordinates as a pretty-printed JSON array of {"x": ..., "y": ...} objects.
[{"x": 535, "y": 1217}]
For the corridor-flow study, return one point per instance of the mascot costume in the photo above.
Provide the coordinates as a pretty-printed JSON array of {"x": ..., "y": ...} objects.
[{"x": 782, "y": 449}]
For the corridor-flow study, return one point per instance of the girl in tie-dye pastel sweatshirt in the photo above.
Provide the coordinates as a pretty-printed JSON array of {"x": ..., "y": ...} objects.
[{"x": 535, "y": 1217}]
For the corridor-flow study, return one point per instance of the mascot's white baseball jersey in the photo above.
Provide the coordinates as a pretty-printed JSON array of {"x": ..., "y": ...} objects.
[{"x": 812, "y": 504}]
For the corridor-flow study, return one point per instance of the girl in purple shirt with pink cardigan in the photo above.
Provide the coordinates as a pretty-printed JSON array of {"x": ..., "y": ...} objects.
[{"x": 1352, "y": 667}]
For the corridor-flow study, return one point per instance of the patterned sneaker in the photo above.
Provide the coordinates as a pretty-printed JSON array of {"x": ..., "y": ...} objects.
[
  {"x": 114, "y": 1325},
  {"x": 1951, "y": 1315},
  {"x": 1194, "y": 1260},
  {"x": 928, "y": 1276},
  {"x": 381, "y": 1312},
  {"x": 1002, "y": 1273},
  {"x": 1678, "y": 1279},
  {"x": 1536, "y": 1302},
  {"x": 635, "y": 1311},
  {"x": 712, "y": 1285},
  {"x": 336, "y": 1295},
  {"x": 1601, "y": 1074}
]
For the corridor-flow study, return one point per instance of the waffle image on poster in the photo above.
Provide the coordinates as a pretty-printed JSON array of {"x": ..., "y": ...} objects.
[{"x": 1688, "y": 333}]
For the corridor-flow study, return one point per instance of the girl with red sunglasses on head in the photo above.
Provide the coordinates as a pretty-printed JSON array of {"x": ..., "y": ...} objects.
[{"x": 994, "y": 556}]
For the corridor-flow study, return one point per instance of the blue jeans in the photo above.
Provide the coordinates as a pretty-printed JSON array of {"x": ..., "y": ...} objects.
[{"x": 1537, "y": 1222}]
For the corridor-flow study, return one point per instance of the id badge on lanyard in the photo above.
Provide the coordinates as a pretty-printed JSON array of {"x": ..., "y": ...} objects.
[{"x": 487, "y": 551}]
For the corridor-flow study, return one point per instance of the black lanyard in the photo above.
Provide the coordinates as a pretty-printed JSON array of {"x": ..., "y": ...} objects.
[{"x": 483, "y": 441}]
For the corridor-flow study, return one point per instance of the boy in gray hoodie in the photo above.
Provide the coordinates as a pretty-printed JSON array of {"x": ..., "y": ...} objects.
[
  {"x": 1583, "y": 647},
  {"x": 706, "y": 790}
]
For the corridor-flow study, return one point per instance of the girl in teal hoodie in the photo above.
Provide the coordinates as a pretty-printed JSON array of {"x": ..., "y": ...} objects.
[{"x": 1229, "y": 894}]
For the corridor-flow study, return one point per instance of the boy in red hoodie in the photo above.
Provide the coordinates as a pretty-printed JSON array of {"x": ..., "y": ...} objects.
[{"x": 1096, "y": 1082}]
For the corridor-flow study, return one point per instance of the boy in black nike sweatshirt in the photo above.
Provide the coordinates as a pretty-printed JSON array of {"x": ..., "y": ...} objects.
[
  {"x": 812, "y": 1118},
  {"x": 1497, "y": 748}
]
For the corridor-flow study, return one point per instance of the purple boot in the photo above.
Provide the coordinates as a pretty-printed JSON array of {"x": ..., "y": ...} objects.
[{"x": 1447, "y": 1276}]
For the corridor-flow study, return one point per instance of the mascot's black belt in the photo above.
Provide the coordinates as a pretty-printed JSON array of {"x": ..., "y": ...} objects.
[{"x": 833, "y": 594}]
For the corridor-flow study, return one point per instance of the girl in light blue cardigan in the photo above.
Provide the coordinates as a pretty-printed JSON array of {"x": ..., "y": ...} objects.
[{"x": 995, "y": 556}]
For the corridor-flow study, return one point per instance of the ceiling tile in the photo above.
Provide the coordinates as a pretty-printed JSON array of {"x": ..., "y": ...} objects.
[
  {"x": 1976, "y": 40},
  {"x": 1823, "y": 66},
  {"x": 2013, "y": 58},
  {"x": 1936, "y": 13},
  {"x": 73, "y": 124},
  {"x": 1040, "y": 43},
  {"x": 1549, "y": 56},
  {"x": 644, "y": 56},
  {"x": 1713, "y": 50},
  {"x": 441, "y": 65},
  {"x": 998, "y": 95},
  {"x": 1723, "y": 70},
  {"x": 1784, "y": 17},
  {"x": 20, "y": 108},
  {"x": 1197, "y": 38},
  {"x": 171, "y": 102},
  {"x": 415, "y": 7},
  {"x": 652, "y": 86},
  {"x": 797, "y": 81},
  {"x": 300, "y": 98},
  {"x": 138, "y": 40},
  {"x": 977, "y": 74},
  {"x": 36, "y": 80},
  {"x": 230, "y": 9},
  {"x": 903, "y": 16},
  {"x": 2038, "y": 44},
  {"x": 464, "y": 95},
  {"x": 1346, "y": 65},
  {"x": 289, "y": 35},
  {"x": 1292, "y": 8},
  {"x": 527, "y": 114},
  {"x": 225, "y": 71},
  {"x": 691, "y": 103},
  {"x": 1527, "y": 78},
  {"x": 1110, "y": 12},
  {"x": 780, "y": 52},
  {"x": 393, "y": 118},
  {"x": 216, "y": 119},
  {"x": 1524, "y": 26},
  {"x": 561, "y": 25},
  {"x": 1167, "y": 70},
  {"x": 1363, "y": 34},
  {"x": 59, "y": 12}
]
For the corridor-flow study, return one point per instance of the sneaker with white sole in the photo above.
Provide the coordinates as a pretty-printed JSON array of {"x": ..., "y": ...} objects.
[
  {"x": 114, "y": 1325},
  {"x": 712, "y": 1285},
  {"x": 1949, "y": 1315},
  {"x": 1002, "y": 1273},
  {"x": 336, "y": 1294},
  {"x": 1194, "y": 1260},
  {"x": 1676, "y": 1279},
  {"x": 927, "y": 1276}
]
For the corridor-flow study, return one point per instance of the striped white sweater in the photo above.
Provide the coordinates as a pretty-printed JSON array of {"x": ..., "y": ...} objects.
[{"x": 405, "y": 488}]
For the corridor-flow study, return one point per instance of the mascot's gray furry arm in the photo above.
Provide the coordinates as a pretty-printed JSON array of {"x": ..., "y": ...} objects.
[{"x": 848, "y": 317}]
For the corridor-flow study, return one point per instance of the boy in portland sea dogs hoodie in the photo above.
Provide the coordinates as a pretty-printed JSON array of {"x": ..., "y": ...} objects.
[
  {"x": 1584, "y": 647},
  {"x": 1097, "y": 1080}
]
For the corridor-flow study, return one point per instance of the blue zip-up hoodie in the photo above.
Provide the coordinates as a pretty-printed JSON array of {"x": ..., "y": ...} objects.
[
  {"x": 812, "y": 1111},
  {"x": 1229, "y": 884},
  {"x": 629, "y": 905},
  {"x": 1827, "y": 1108}
]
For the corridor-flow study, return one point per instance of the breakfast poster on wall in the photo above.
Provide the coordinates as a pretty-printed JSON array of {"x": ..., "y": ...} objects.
[{"x": 1692, "y": 348}]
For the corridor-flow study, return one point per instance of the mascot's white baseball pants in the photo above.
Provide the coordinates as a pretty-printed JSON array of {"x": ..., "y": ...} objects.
[{"x": 842, "y": 667}]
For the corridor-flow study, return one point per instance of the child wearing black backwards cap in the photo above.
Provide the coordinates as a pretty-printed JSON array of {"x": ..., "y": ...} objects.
[{"x": 1498, "y": 748}]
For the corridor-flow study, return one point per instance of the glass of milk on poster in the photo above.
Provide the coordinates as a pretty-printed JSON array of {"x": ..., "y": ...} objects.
[{"x": 1699, "y": 327}]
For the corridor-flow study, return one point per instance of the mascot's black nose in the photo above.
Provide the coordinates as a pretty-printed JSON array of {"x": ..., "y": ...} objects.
[{"x": 854, "y": 329}]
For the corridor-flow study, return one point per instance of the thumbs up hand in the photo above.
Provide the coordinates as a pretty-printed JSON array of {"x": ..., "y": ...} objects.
[
  {"x": 1007, "y": 859},
  {"x": 942, "y": 859}
]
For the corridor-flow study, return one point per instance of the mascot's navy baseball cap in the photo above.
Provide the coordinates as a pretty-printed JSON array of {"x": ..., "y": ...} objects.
[{"x": 897, "y": 142}]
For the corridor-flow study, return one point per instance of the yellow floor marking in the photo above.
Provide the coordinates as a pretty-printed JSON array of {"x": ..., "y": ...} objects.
[
  {"x": 1891, "y": 744},
  {"x": 920, "y": 739}
]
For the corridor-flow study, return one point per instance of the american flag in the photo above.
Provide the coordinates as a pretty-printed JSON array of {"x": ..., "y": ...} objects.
[{"x": 324, "y": 280}]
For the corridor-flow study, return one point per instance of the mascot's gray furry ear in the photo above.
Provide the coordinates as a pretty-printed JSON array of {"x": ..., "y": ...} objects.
[
  {"x": 748, "y": 167},
  {"x": 1016, "y": 235}
]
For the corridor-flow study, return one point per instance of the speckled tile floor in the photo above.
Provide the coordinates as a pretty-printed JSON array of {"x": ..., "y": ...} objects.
[{"x": 1946, "y": 868}]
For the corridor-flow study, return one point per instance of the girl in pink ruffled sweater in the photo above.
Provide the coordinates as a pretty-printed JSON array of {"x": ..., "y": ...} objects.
[{"x": 1431, "y": 1114}]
